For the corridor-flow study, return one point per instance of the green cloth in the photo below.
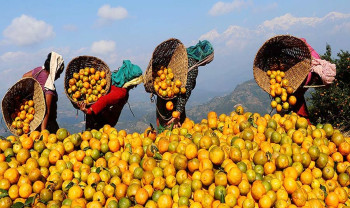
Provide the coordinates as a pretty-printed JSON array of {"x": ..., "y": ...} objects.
[
  {"x": 200, "y": 51},
  {"x": 126, "y": 73}
]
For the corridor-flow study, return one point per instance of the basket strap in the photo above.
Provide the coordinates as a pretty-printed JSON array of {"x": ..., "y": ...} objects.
[
  {"x": 163, "y": 117},
  {"x": 37, "y": 74},
  {"x": 130, "y": 109},
  {"x": 203, "y": 62}
]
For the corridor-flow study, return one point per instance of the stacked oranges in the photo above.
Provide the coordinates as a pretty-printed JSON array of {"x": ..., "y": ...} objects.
[
  {"x": 280, "y": 91},
  {"x": 242, "y": 159},
  {"x": 23, "y": 115},
  {"x": 88, "y": 85},
  {"x": 164, "y": 83}
]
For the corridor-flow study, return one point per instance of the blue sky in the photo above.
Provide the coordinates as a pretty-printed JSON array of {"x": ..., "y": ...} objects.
[{"x": 117, "y": 30}]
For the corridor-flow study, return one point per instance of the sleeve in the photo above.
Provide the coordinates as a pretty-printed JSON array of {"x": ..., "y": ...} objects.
[
  {"x": 190, "y": 85},
  {"x": 116, "y": 95}
]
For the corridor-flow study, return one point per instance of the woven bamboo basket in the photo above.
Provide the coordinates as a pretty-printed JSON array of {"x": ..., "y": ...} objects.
[
  {"x": 285, "y": 51},
  {"x": 25, "y": 88},
  {"x": 81, "y": 62},
  {"x": 171, "y": 54}
]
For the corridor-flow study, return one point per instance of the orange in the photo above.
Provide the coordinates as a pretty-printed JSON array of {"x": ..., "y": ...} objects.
[
  {"x": 292, "y": 99},
  {"x": 54, "y": 156},
  {"x": 75, "y": 192},
  {"x": 25, "y": 190},
  {"x": 87, "y": 135},
  {"x": 234, "y": 176},
  {"x": 290, "y": 185},
  {"x": 258, "y": 190},
  {"x": 344, "y": 148},
  {"x": 299, "y": 197},
  {"x": 265, "y": 202},
  {"x": 175, "y": 114},
  {"x": 120, "y": 190},
  {"x": 191, "y": 151},
  {"x": 169, "y": 106},
  {"x": 165, "y": 201},
  {"x": 306, "y": 177},
  {"x": 291, "y": 172},
  {"x": 332, "y": 199},
  {"x": 5, "y": 184},
  {"x": 13, "y": 192},
  {"x": 38, "y": 186},
  {"x": 207, "y": 177},
  {"x": 12, "y": 175},
  {"x": 103, "y": 74},
  {"x": 217, "y": 155},
  {"x": 27, "y": 143},
  {"x": 114, "y": 145},
  {"x": 141, "y": 196}
]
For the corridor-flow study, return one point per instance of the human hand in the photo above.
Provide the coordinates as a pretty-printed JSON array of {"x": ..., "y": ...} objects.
[
  {"x": 82, "y": 106},
  {"x": 175, "y": 121}
]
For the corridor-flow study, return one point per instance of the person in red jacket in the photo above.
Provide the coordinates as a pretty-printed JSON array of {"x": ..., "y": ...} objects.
[{"x": 108, "y": 108}]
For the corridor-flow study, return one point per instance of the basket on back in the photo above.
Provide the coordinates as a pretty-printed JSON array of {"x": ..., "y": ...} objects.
[
  {"x": 81, "y": 62},
  {"x": 285, "y": 53},
  {"x": 170, "y": 54},
  {"x": 25, "y": 88}
]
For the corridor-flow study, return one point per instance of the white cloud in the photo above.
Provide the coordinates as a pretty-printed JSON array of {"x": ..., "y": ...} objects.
[
  {"x": 211, "y": 35},
  {"x": 103, "y": 47},
  {"x": 112, "y": 13},
  {"x": 221, "y": 8},
  {"x": 238, "y": 37},
  {"x": 233, "y": 37},
  {"x": 287, "y": 21},
  {"x": 26, "y": 30}
]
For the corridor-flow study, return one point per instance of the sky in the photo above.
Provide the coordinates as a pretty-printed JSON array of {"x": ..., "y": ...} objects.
[{"x": 119, "y": 30}]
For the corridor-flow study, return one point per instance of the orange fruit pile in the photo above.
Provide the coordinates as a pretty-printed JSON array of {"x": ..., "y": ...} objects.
[
  {"x": 23, "y": 115},
  {"x": 88, "y": 85},
  {"x": 165, "y": 85},
  {"x": 280, "y": 91},
  {"x": 242, "y": 159}
]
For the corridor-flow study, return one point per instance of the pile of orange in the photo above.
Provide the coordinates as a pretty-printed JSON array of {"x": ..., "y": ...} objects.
[
  {"x": 280, "y": 91},
  {"x": 88, "y": 85},
  {"x": 165, "y": 85},
  {"x": 22, "y": 116},
  {"x": 225, "y": 161}
]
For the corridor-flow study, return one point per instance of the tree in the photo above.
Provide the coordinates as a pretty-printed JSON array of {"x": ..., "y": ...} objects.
[{"x": 332, "y": 104}]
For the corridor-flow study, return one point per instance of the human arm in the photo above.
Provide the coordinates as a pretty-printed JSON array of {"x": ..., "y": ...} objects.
[
  {"x": 28, "y": 74},
  {"x": 115, "y": 96},
  {"x": 48, "y": 98}
]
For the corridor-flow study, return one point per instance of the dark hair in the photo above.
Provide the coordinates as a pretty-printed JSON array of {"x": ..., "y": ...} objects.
[{"x": 47, "y": 62}]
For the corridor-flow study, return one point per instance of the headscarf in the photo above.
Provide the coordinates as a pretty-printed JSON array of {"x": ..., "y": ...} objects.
[
  {"x": 126, "y": 73},
  {"x": 56, "y": 62}
]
